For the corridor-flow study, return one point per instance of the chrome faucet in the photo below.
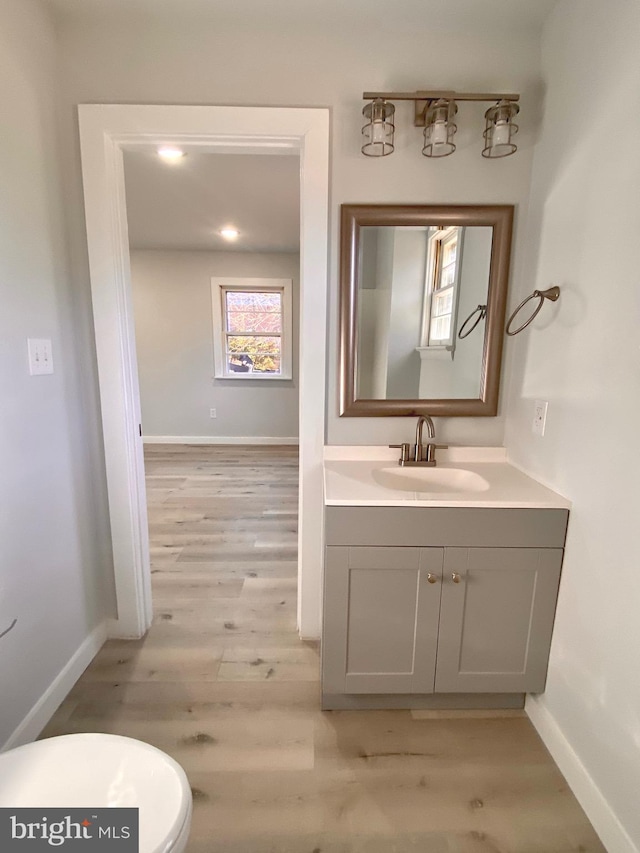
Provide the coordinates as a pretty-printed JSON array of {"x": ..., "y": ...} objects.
[{"x": 419, "y": 453}]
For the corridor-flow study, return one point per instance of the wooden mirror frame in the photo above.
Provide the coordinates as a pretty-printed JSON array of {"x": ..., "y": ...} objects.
[{"x": 356, "y": 216}]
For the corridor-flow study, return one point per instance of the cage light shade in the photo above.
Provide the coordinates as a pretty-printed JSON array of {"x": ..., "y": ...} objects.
[
  {"x": 439, "y": 128},
  {"x": 379, "y": 129},
  {"x": 500, "y": 129}
]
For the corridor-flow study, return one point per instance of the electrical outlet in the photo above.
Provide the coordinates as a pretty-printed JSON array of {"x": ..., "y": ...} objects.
[
  {"x": 539, "y": 417},
  {"x": 40, "y": 356},
  {"x": 212, "y": 413}
]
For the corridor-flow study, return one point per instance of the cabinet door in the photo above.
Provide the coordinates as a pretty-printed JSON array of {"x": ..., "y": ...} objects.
[
  {"x": 381, "y": 619},
  {"x": 496, "y": 620}
]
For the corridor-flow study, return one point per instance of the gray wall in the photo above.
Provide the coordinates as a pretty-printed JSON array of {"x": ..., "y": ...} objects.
[
  {"x": 172, "y": 307},
  {"x": 54, "y": 552},
  {"x": 405, "y": 322},
  {"x": 474, "y": 277},
  {"x": 367, "y": 313},
  {"x": 382, "y": 293},
  {"x": 582, "y": 356},
  {"x": 237, "y": 58}
]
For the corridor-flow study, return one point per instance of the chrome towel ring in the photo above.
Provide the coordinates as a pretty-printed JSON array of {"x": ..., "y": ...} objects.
[
  {"x": 481, "y": 311},
  {"x": 553, "y": 293}
]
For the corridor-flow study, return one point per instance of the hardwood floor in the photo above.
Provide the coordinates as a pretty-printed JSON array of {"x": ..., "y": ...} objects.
[{"x": 223, "y": 683}]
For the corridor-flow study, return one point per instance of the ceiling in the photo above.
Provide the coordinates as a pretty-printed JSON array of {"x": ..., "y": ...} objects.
[
  {"x": 438, "y": 14},
  {"x": 184, "y": 205}
]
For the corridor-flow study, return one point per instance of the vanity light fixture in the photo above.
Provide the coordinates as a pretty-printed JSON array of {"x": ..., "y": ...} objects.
[
  {"x": 500, "y": 129},
  {"x": 439, "y": 128},
  {"x": 379, "y": 129},
  {"x": 436, "y": 111},
  {"x": 229, "y": 233},
  {"x": 171, "y": 154}
]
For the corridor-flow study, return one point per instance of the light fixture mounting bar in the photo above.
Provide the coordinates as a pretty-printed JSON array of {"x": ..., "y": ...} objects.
[
  {"x": 433, "y": 95},
  {"x": 424, "y": 97}
]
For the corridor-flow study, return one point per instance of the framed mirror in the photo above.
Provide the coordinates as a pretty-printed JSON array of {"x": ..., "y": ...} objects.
[{"x": 423, "y": 292}]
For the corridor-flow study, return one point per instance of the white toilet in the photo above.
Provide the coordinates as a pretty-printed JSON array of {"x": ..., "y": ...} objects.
[{"x": 99, "y": 771}]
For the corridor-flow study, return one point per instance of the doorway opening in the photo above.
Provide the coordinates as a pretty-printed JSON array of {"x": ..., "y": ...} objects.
[
  {"x": 217, "y": 322},
  {"x": 106, "y": 132}
]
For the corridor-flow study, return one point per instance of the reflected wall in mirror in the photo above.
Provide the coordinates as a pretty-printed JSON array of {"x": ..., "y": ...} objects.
[{"x": 423, "y": 296}]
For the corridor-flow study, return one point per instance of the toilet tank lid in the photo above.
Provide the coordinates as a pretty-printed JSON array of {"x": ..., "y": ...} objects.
[{"x": 100, "y": 770}]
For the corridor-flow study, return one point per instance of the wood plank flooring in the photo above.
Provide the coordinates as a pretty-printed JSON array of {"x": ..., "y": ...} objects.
[{"x": 223, "y": 683}]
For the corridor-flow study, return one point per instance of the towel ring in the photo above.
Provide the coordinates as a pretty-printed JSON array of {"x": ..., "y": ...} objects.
[
  {"x": 552, "y": 294},
  {"x": 482, "y": 309},
  {"x": 6, "y": 631}
]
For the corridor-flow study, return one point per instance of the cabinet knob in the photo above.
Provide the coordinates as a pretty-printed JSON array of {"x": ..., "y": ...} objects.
[
  {"x": 455, "y": 577},
  {"x": 432, "y": 578}
]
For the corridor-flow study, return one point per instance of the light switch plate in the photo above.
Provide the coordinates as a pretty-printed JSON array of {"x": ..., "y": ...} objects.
[
  {"x": 40, "y": 356},
  {"x": 540, "y": 417}
]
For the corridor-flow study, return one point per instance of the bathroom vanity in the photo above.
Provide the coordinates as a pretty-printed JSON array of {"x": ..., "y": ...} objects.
[{"x": 440, "y": 584}]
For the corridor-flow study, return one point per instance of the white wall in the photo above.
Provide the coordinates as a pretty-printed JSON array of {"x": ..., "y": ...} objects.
[
  {"x": 172, "y": 307},
  {"x": 583, "y": 356},
  {"x": 54, "y": 552},
  {"x": 259, "y": 59}
]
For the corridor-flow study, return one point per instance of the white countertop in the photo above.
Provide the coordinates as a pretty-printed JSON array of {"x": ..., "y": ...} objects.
[{"x": 349, "y": 473}]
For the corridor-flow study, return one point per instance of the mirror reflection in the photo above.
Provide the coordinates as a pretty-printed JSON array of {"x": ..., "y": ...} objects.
[{"x": 422, "y": 294}]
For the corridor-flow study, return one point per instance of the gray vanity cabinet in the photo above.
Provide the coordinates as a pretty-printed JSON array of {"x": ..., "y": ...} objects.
[
  {"x": 443, "y": 618},
  {"x": 385, "y": 619},
  {"x": 496, "y": 621}
]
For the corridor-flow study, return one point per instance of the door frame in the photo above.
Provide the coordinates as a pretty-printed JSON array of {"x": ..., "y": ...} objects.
[{"x": 105, "y": 131}]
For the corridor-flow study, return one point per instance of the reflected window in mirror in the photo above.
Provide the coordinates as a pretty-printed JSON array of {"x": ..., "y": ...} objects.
[{"x": 444, "y": 250}]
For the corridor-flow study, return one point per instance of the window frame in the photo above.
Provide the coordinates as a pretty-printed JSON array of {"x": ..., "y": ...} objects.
[
  {"x": 219, "y": 287},
  {"x": 433, "y": 275}
]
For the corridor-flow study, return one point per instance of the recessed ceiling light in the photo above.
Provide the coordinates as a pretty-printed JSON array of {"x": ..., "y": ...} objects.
[
  {"x": 171, "y": 153},
  {"x": 229, "y": 233}
]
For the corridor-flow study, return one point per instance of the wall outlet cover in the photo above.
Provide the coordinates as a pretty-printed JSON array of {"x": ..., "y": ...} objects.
[
  {"x": 212, "y": 413},
  {"x": 40, "y": 356},
  {"x": 539, "y": 417}
]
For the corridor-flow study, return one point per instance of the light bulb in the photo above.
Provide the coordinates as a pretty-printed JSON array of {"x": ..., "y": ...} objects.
[
  {"x": 377, "y": 132},
  {"x": 170, "y": 153},
  {"x": 439, "y": 134},
  {"x": 229, "y": 233},
  {"x": 501, "y": 134}
]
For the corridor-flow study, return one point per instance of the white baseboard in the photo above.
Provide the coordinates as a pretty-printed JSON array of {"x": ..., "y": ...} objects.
[
  {"x": 46, "y": 706},
  {"x": 219, "y": 439},
  {"x": 605, "y": 822}
]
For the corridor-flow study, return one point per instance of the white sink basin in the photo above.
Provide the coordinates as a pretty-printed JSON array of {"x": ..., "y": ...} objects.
[{"x": 439, "y": 480}]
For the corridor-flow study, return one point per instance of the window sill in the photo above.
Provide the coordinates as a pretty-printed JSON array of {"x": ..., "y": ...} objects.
[
  {"x": 443, "y": 353},
  {"x": 261, "y": 377}
]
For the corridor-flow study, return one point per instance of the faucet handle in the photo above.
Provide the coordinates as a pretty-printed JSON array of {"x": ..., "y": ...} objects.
[{"x": 404, "y": 451}]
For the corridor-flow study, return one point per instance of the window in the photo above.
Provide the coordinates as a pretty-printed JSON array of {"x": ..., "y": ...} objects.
[
  {"x": 444, "y": 255},
  {"x": 252, "y": 328}
]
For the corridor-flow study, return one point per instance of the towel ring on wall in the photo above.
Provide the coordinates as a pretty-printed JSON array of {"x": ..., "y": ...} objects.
[
  {"x": 482, "y": 309},
  {"x": 552, "y": 294},
  {"x": 6, "y": 631}
]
